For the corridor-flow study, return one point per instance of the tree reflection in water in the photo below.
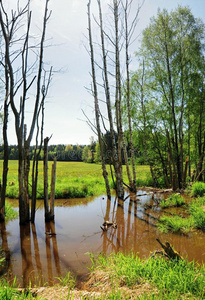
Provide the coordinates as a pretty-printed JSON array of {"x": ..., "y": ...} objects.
[
  {"x": 39, "y": 256},
  {"x": 32, "y": 268},
  {"x": 133, "y": 225}
]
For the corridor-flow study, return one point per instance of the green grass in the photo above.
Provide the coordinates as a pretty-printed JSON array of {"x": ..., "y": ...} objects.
[
  {"x": 174, "y": 200},
  {"x": 73, "y": 179},
  {"x": 9, "y": 292},
  {"x": 10, "y": 213},
  {"x": 196, "y": 219},
  {"x": 68, "y": 280},
  {"x": 168, "y": 279},
  {"x": 198, "y": 189}
]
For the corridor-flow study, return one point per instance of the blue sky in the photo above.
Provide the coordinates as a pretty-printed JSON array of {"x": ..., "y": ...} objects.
[{"x": 68, "y": 96}]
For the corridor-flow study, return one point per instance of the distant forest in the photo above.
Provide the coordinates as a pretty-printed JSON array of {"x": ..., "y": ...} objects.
[{"x": 62, "y": 152}]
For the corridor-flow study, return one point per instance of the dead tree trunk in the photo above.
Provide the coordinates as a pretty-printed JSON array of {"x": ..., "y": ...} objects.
[
  {"x": 18, "y": 73},
  {"x": 36, "y": 156},
  {"x": 128, "y": 37},
  {"x": 97, "y": 109},
  {"x": 53, "y": 181},
  {"x": 115, "y": 153},
  {"x": 26, "y": 175},
  {"x": 6, "y": 156},
  {"x": 45, "y": 170}
]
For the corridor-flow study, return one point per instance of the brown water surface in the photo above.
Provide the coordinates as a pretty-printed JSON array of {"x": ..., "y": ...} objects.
[{"x": 37, "y": 257}]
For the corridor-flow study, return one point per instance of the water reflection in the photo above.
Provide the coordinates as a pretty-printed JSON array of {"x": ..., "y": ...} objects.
[
  {"x": 51, "y": 243},
  {"x": 5, "y": 248},
  {"x": 40, "y": 253}
]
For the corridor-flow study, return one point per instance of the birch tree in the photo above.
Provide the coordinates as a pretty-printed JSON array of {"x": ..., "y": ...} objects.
[{"x": 172, "y": 50}]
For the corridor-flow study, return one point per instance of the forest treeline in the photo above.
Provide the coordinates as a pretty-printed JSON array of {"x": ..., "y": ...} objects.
[
  {"x": 61, "y": 152},
  {"x": 80, "y": 153}
]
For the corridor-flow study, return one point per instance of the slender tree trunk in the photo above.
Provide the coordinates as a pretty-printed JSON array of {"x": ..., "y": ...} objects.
[
  {"x": 34, "y": 186},
  {"x": 97, "y": 109},
  {"x": 118, "y": 169},
  {"x": 127, "y": 38},
  {"x": 189, "y": 145},
  {"x": 45, "y": 165},
  {"x": 53, "y": 180},
  {"x": 116, "y": 161},
  {"x": 22, "y": 208},
  {"x": 5, "y": 162},
  {"x": 175, "y": 142},
  {"x": 26, "y": 175}
]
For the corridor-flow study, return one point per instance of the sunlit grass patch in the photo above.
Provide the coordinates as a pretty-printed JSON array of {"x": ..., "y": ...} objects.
[
  {"x": 10, "y": 291},
  {"x": 166, "y": 279},
  {"x": 175, "y": 224},
  {"x": 73, "y": 179},
  {"x": 196, "y": 219},
  {"x": 10, "y": 213},
  {"x": 174, "y": 200}
]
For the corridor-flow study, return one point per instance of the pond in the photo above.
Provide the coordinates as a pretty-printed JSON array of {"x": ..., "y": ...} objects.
[{"x": 42, "y": 252}]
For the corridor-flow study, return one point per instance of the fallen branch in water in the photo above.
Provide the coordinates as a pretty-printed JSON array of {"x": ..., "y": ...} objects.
[
  {"x": 108, "y": 224},
  {"x": 168, "y": 251}
]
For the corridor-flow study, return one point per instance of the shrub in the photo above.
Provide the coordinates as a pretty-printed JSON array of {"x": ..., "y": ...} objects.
[{"x": 198, "y": 189}]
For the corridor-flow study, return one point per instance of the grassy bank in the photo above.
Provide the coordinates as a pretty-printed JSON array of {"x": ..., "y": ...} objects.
[
  {"x": 73, "y": 179},
  {"x": 195, "y": 219},
  {"x": 153, "y": 278},
  {"x": 120, "y": 276}
]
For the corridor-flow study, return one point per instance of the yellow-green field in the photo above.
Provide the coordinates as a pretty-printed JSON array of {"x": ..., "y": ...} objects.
[{"x": 73, "y": 179}]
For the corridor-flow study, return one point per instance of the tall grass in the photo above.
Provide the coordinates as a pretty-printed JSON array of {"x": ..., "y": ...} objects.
[
  {"x": 169, "y": 279},
  {"x": 73, "y": 179}
]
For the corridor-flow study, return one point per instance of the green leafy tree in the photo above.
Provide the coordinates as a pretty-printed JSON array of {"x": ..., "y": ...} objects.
[{"x": 172, "y": 57}]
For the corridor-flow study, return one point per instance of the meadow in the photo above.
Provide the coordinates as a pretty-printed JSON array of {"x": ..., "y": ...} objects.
[{"x": 73, "y": 179}]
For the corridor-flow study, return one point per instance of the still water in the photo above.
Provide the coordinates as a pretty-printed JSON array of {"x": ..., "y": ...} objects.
[{"x": 38, "y": 257}]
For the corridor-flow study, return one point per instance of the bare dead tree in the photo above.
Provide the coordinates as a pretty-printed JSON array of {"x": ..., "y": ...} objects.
[
  {"x": 38, "y": 148},
  {"x": 129, "y": 31},
  {"x": 6, "y": 156},
  {"x": 97, "y": 109},
  {"x": 114, "y": 47},
  {"x": 19, "y": 71},
  {"x": 117, "y": 161},
  {"x": 118, "y": 104}
]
